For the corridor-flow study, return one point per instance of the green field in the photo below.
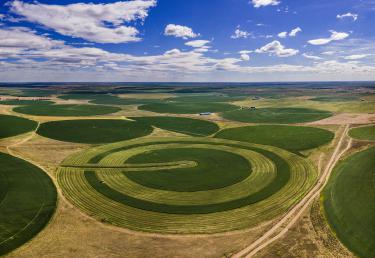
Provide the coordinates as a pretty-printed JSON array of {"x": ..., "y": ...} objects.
[
  {"x": 187, "y": 108},
  {"x": 14, "y": 125},
  {"x": 27, "y": 202},
  {"x": 334, "y": 99},
  {"x": 186, "y": 184},
  {"x": 293, "y": 138},
  {"x": 93, "y": 131},
  {"x": 189, "y": 126},
  {"x": 25, "y": 102},
  {"x": 363, "y": 133},
  {"x": 276, "y": 115},
  {"x": 67, "y": 110},
  {"x": 106, "y": 99},
  {"x": 207, "y": 98},
  {"x": 349, "y": 205}
]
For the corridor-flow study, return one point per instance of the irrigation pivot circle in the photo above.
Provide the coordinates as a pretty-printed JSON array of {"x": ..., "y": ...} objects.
[{"x": 185, "y": 185}]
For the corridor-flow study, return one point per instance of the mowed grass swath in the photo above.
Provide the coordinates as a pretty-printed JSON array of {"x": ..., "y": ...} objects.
[
  {"x": 349, "y": 205},
  {"x": 94, "y": 131},
  {"x": 139, "y": 184},
  {"x": 363, "y": 133},
  {"x": 276, "y": 115},
  {"x": 27, "y": 201},
  {"x": 293, "y": 138},
  {"x": 66, "y": 110},
  {"x": 14, "y": 125},
  {"x": 187, "y": 108},
  {"x": 189, "y": 126}
]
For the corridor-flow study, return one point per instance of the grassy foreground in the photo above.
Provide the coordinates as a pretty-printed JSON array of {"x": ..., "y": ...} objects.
[
  {"x": 27, "y": 202},
  {"x": 293, "y": 138},
  {"x": 349, "y": 205},
  {"x": 363, "y": 133},
  {"x": 66, "y": 110},
  {"x": 276, "y": 115},
  {"x": 189, "y": 126},
  {"x": 93, "y": 131},
  {"x": 14, "y": 125}
]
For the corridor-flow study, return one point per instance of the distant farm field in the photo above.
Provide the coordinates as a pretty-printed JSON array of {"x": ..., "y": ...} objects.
[
  {"x": 349, "y": 205},
  {"x": 14, "y": 125},
  {"x": 93, "y": 131},
  {"x": 207, "y": 98},
  {"x": 25, "y": 102},
  {"x": 187, "y": 108},
  {"x": 27, "y": 202},
  {"x": 66, "y": 110},
  {"x": 189, "y": 126},
  {"x": 276, "y": 115},
  {"x": 363, "y": 133},
  {"x": 334, "y": 99},
  {"x": 293, "y": 138}
]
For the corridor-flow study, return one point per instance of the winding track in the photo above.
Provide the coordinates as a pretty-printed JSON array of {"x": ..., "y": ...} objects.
[{"x": 291, "y": 217}]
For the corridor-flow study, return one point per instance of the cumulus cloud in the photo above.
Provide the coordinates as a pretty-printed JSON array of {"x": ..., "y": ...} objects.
[
  {"x": 282, "y": 34},
  {"x": 347, "y": 15},
  {"x": 276, "y": 48},
  {"x": 311, "y": 57},
  {"x": 101, "y": 23},
  {"x": 260, "y": 3},
  {"x": 240, "y": 34},
  {"x": 294, "y": 32},
  {"x": 335, "y": 36},
  {"x": 197, "y": 43},
  {"x": 245, "y": 57},
  {"x": 179, "y": 31},
  {"x": 356, "y": 57}
]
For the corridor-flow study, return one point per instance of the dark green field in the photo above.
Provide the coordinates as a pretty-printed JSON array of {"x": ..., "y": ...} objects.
[
  {"x": 334, "y": 99},
  {"x": 27, "y": 202},
  {"x": 106, "y": 99},
  {"x": 189, "y": 126},
  {"x": 276, "y": 115},
  {"x": 207, "y": 98},
  {"x": 293, "y": 138},
  {"x": 93, "y": 131},
  {"x": 67, "y": 110},
  {"x": 14, "y": 125},
  {"x": 187, "y": 108},
  {"x": 25, "y": 102},
  {"x": 363, "y": 133},
  {"x": 349, "y": 205}
]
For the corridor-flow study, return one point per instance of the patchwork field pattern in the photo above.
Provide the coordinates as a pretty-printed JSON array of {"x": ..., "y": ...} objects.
[
  {"x": 27, "y": 202},
  {"x": 66, "y": 110},
  {"x": 172, "y": 185},
  {"x": 188, "y": 107},
  {"x": 348, "y": 201}
]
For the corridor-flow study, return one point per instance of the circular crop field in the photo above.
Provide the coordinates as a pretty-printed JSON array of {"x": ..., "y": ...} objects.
[
  {"x": 276, "y": 115},
  {"x": 363, "y": 133},
  {"x": 187, "y": 108},
  {"x": 293, "y": 138},
  {"x": 94, "y": 131},
  {"x": 15, "y": 125},
  {"x": 185, "y": 185},
  {"x": 27, "y": 201},
  {"x": 66, "y": 110},
  {"x": 25, "y": 102},
  {"x": 189, "y": 126}
]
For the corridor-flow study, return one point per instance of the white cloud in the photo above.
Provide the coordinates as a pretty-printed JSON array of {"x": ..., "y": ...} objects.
[
  {"x": 245, "y": 52},
  {"x": 179, "y": 31},
  {"x": 311, "y": 57},
  {"x": 245, "y": 57},
  {"x": 329, "y": 53},
  {"x": 335, "y": 36},
  {"x": 240, "y": 34},
  {"x": 294, "y": 32},
  {"x": 197, "y": 43},
  {"x": 282, "y": 34},
  {"x": 356, "y": 57},
  {"x": 2, "y": 16},
  {"x": 260, "y": 3},
  {"x": 347, "y": 15},
  {"x": 102, "y": 23},
  {"x": 276, "y": 48}
]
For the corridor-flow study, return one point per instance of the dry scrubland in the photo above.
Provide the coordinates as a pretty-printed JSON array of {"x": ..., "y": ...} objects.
[{"x": 90, "y": 231}]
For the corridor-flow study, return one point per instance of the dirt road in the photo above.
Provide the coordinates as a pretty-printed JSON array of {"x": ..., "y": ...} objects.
[{"x": 292, "y": 216}]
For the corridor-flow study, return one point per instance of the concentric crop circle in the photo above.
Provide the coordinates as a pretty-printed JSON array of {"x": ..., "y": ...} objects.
[{"x": 185, "y": 185}]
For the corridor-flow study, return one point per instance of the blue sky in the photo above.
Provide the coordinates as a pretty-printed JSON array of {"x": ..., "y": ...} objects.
[{"x": 195, "y": 40}]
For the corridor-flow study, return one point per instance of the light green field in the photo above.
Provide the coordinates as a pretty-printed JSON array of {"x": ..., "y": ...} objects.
[
  {"x": 128, "y": 184},
  {"x": 363, "y": 133},
  {"x": 27, "y": 202},
  {"x": 293, "y": 138},
  {"x": 349, "y": 205},
  {"x": 14, "y": 125},
  {"x": 94, "y": 131}
]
